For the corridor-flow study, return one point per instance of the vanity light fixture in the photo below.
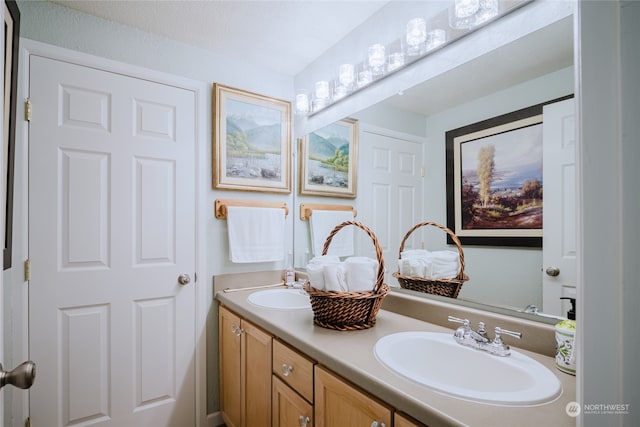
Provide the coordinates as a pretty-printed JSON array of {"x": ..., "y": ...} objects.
[
  {"x": 302, "y": 102},
  {"x": 416, "y": 36},
  {"x": 435, "y": 38},
  {"x": 462, "y": 13},
  {"x": 346, "y": 75},
  {"x": 420, "y": 38},
  {"x": 377, "y": 59}
]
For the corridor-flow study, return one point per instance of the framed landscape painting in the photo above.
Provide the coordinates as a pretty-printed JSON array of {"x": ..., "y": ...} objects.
[
  {"x": 329, "y": 160},
  {"x": 494, "y": 180},
  {"x": 252, "y": 141}
]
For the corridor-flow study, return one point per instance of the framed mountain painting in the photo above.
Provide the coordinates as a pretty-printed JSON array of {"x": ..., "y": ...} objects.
[{"x": 252, "y": 141}]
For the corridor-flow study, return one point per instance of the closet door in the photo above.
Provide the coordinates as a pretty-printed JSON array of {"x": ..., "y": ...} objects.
[{"x": 112, "y": 248}]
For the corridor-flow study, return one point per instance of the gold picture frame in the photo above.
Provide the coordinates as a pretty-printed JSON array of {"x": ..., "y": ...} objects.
[
  {"x": 252, "y": 141},
  {"x": 329, "y": 160}
]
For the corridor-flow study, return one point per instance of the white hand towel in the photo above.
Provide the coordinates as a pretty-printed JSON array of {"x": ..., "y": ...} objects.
[
  {"x": 322, "y": 223},
  {"x": 315, "y": 270},
  {"x": 255, "y": 234},
  {"x": 334, "y": 277},
  {"x": 360, "y": 273}
]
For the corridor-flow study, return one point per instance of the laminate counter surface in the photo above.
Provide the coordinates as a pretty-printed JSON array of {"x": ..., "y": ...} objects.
[{"x": 350, "y": 354}]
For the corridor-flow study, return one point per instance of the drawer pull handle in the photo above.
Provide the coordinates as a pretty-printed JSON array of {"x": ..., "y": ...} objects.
[
  {"x": 377, "y": 424},
  {"x": 304, "y": 421},
  {"x": 237, "y": 330},
  {"x": 286, "y": 369}
]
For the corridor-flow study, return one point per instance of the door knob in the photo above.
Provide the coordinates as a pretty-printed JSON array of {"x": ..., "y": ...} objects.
[
  {"x": 184, "y": 279},
  {"x": 22, "y": 376},
  {"x": 553, "y": 271}
]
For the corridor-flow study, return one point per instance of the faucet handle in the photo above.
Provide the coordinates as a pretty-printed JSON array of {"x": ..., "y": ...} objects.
[
  {"x": 462, "y": 331},
  {"x": 498, "y": 346},
  {"x": 499, "y": 331},
  {"x": 465, "y": 322}
]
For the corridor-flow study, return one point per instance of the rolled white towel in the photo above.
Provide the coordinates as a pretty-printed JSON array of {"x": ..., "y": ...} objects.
[
  {"x": 444, "y": 265},
  {"x": 445, "y": 256},
  {"x": 360, "y": 273},
  {"x": 315, "y": 270},
  {"x": 316, "y": 275},
  {"x": 334, "y": 277},
  {"x": 414, "y": 253}
]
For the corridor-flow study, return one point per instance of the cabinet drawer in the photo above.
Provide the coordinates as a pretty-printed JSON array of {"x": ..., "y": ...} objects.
[{"x": 294, "y": 369}]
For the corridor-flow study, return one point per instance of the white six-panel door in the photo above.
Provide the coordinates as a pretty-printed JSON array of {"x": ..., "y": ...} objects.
[
  {"x": 559, "y": 240},
  {"x": 111, "y": 228},
  {"x": 390, "y": 192}
]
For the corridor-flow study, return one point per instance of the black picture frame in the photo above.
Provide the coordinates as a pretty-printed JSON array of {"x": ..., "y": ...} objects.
[
  {"x": 501, "y": 219},
  {"x": 11, "y": 54}
]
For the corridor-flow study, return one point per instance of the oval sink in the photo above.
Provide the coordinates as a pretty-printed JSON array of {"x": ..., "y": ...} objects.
[
  {"x": 437, "y": 361},
  {"x": 281, "y": 299}
]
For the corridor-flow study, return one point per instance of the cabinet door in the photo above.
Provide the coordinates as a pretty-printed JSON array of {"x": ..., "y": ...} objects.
[
  {"x": 289, "y": 408},
  {"x": 401, "y": 420},
  {"x": 256, "y": 375},
  {"x": 337, "y": 403},
  {"x": 230, "y": 367}
]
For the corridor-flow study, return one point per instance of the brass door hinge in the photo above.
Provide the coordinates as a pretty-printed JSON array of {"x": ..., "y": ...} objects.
[
  {"x": 27, "y": 270},
  {"x": 27, "y": 109},
  {"x": 422, "y": 171},
  {"x": 27, "y": 422}
]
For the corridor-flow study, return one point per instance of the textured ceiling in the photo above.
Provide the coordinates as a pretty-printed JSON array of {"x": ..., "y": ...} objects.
[{"x": 284, "y": 36}]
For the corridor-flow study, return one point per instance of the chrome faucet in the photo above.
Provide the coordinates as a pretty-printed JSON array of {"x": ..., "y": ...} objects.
[{"x": 467, "y": 336}]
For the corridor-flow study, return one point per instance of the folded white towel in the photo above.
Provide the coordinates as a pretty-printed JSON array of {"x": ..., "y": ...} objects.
[
  {"x": 315, "y": 270},
  {"x": 334, "y": 277},
  {"x": 322, "y": 223},
  {"x": 255, "y": 234},
  {"x": 429, "y": 265},
  {"x": 414, "y": 253},
  {"x": 360, "y": 273}
]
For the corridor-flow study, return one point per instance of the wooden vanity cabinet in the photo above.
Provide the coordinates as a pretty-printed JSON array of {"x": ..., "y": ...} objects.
[
  {"x": 401, "y": 420},
  {"x": 338, "y": 403},
  {"x": 245, "y": 371},
  {"x": 289, "y": 408},
  {"x": 292, "y": 393}
]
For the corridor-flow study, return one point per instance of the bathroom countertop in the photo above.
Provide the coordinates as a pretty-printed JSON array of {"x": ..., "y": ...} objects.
[{"x": 350, "y": 355}]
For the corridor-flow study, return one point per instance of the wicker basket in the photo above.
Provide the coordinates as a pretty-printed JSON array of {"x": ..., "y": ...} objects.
[
  {"x": 443, "y": 287},
  {"x": 348, "y": 311}
]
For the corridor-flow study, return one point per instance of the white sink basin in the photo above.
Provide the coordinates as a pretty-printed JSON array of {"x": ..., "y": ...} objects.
[
  {"x": 281, "y": 299},
  {"x": 436, "y": 361}
]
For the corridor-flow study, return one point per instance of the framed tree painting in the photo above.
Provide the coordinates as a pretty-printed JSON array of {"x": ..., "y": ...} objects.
[
  {"x": 494, "y": 180},
  {"x": 329, "y": 160},
  {"x": 252, "y": 141}
]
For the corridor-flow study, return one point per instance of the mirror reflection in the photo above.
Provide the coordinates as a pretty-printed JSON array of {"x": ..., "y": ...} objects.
[{"x": 402, "y": 177}]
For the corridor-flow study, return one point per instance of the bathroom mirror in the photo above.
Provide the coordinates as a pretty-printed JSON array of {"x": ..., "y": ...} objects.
[{"x": 533, "y": 69}]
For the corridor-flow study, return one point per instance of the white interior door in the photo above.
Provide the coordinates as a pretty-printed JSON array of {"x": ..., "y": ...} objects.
[
  {"x": 390, "y": 190},
  {"x": 111, "y": 229},
  {"x": 559, "y": 230}
]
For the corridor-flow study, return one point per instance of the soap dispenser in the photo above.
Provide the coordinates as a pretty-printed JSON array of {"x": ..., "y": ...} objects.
[
  {"x": 289, "y": 271},
  {"x": 565, "y": 341}
]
